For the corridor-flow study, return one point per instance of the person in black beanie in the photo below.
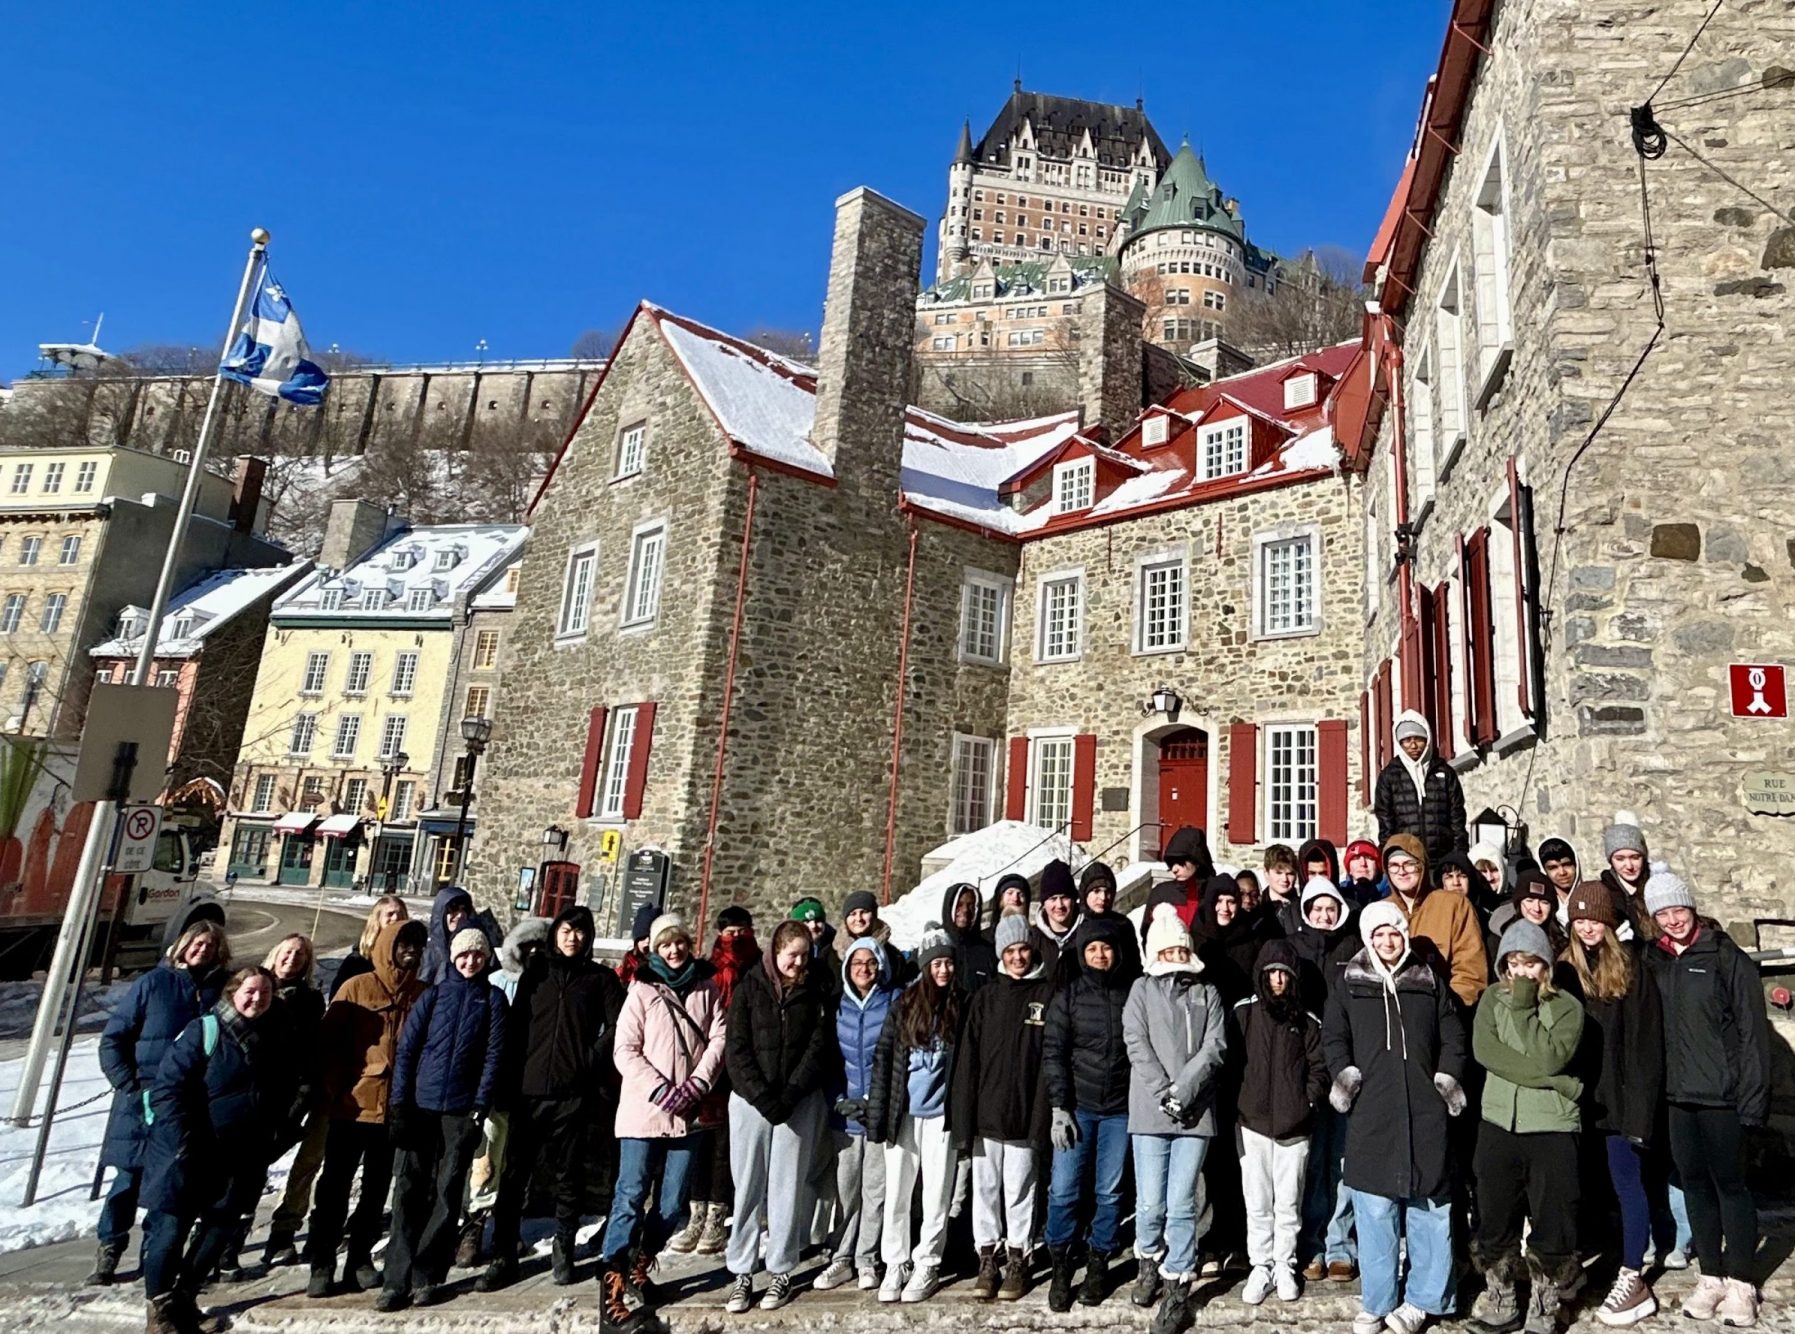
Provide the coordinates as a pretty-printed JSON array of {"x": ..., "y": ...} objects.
[
  {"x": 638, "y": 934},
  {"x": 1097, "y": 889},
  {"x": 1187, "y": 859},
  {"x": 1057, "y": 918},
  {"x": 860, "y": 921}
]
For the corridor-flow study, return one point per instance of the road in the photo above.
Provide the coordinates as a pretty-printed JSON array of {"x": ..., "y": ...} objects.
[{"x": 256, "y": 926}]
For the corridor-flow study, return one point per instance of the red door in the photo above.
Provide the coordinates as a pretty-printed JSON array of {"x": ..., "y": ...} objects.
[
  {"x": 1183, "y": 781},
  {"x": 557, "y": 887}
]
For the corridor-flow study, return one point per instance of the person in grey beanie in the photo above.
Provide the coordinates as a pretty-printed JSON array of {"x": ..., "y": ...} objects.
[
  {"x": 1624, "y": 849},
  {"x": 1717, "y": 1085}
]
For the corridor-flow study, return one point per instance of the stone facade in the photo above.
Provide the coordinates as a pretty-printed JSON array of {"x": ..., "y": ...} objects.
[{"x": 1674, "y": 559}]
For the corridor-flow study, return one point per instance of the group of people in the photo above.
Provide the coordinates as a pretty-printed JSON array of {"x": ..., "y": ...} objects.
[{"x": 1435, "y": 1055}]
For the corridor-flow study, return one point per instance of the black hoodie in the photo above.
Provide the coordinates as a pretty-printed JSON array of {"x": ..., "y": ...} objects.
[
  {"x": 1317, "y": 847},
  {"x": 1229, "y": 952},
  {"x": 564, "y": 1020},
  {"x": 998, "y": 1091},
  {"x": 975, "y": 958},
  {"x": 1284, "y": 1076}
]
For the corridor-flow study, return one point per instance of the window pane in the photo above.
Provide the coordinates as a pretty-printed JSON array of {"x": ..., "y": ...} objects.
[
  {"x": 1293, "y": 797},
  {"x": 623, "y": 736},
  {"x": 1288, "y": 574},
  {"x": 1059, "y": 618},
  {"x": 1053, "y": 782},
  {"x": 1162, "y": 605}
]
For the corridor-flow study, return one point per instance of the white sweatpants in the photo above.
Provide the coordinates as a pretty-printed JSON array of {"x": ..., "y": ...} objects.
[
  {"x": 1271, "y": 1179},
  {"x": 924, "y": 1149},
  {"x": 771, "y": 1167},
  {"x": 1004, "y": 1176}
]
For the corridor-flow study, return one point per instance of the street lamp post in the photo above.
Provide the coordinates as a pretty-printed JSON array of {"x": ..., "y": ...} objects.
[{"x": 475, "y": 733}]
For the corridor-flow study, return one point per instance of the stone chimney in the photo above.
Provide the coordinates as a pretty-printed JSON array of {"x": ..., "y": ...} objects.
[
  {"x": 863, "y": 357},
  {"x": 1109, "y": 357},
  {"x": 246, "y": 493},
  {"x": 353, "y": 528},
  {"x": 1221, "y": 359}
]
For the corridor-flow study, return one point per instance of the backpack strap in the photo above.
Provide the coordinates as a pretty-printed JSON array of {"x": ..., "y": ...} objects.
[{"x": 208, "y": 1027}]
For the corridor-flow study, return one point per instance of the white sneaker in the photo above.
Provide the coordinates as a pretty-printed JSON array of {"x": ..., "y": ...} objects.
[
  {"x": 1406, "y": 1319},
  {"x": 1705, "y": 1300},
  {"x": 1739, "y": 1308},
  {"x": 1288, "y": 1288},
  {"x": 838, "y": 1273},
  {"x": 868, "y": 1279},
  {"x": 1676, "y": 1258},
  {"x": 922, "y": 1283},
  {"x": 893, "y": 1286},
  {"x": 1366, "y": 1323},
  {"x": 1259, "y": 1285}
]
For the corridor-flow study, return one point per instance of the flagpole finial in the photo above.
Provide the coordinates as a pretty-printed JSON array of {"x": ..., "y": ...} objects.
[{"x": 259, "y": 235}]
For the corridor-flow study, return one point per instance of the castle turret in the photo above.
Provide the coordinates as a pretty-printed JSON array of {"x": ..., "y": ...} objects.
[{"x": 952, "y": 247}]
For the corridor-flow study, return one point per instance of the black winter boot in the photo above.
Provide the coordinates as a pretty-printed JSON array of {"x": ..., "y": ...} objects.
[
  {"x": 359, "y": 1274},
  {"x": 468, "y": 1246},
  {"x": 105, "y": 1263},
  {"x": 1095, "y": 1287},
  {"x": 1175, "y": 1311},
  {"x": 500, "y": 1274},
  {"x": 321, "y": 1281},
  {"x": 1146, "y": 1283},
  {"x": 561, "y": 1256},
  {"x": 990, "y": 1274},
  {"x": 279, "y": 1250},
  {"x": 1059, "y": 1292}
]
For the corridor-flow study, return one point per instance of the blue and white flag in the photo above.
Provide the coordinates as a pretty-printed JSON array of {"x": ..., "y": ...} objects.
[{"x": 269, "y": 354}]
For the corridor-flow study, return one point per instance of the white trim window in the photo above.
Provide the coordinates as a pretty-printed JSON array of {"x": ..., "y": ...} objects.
[
  {"x": 1299, "y": 391},
  {"x": 348, "y": 735},
  {"x": 405, "y": 793},
  {"x": 392, "y": 735},
  {"x": 1490, "y": 265},
  {"x": 615, "y": 769},
  {"x": 355, "y": 795},
  {"x": 1155, "y": 430},
  {"x": 420, "y": 599},
  {"x": 53, "y": 478},
  {"x": 12, "y": 612},
  {"x": 632, "y": 448},
  {"x": 576, "y": 592},
  {"x": 1074, "y": 485},
  {"x": 28, "y": 550},
  {"x": 316, "y": 666},
  {"x": 405, "y": 673},
  {"x": 84, "y": 477},
  {"x": 1509, "y": 633},
  {"x": 361, "y": 667},
  {"x": 642, "y": 589},
  {"x": 984, "y": 618},
  {"x": 331, "y": 599},
  {"x": 1292, "y": 783},
  {"x": 305, "y": 730},
  {"x": 71, "y": 550},
  {"x": 1161, "y": 605},
  {"x": 1061, "y": 634},
  {"x": 262, "y": 802},
  {"x": 1222, "y": 450},
  {"x": 21, "y": 478},
  {"x": 1286, "y": 584},
  {"x": 52, "y": 619},
  {"x": 1422, "y": 444},
  {"x": 1449, "y": 387},
  {"x": 1050, "y": 788},
  {"x": 971, "y": 784}
]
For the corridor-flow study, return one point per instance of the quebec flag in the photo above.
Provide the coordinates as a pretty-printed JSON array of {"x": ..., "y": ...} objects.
[{"x": 269, "y": 353}]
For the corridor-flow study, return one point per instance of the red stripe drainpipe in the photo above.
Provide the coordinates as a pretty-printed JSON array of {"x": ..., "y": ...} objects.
[
  {"x": 735, "y": 646},
  {"x": 1405, "y": 563},
  {"x": 897, "y": 731}
]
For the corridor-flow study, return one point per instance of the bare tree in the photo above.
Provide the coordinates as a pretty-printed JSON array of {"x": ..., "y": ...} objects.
[
  {"x": 1320, "y": 302},
  {"x": 794, "y": 343},
  {"x": 594, "y": 344}
]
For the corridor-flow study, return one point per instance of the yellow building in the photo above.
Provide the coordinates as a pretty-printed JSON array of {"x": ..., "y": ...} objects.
[{"x": 355, "y": 701}]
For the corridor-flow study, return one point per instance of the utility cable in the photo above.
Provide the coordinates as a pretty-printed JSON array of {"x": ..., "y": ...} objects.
[{"x": 1686, "y": 50}]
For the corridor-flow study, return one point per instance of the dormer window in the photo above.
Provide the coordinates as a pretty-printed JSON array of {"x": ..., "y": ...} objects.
[
  {"x": 1299, "y": 391},
  {"x": 402, "y": 559},
  {"x": 420, "y": 599},
  {"x": 1223, "y": 450},
  {"x": 373, "y": 598},
  {"x": 446, "y": 559},
  {"x": 1074, "y": 485},
  {"x": 181, "y": 628},
  {"x": 331, "y": 599},
  {"x": 130, "y": 623},
  {"x": 1154, "y": 431}
]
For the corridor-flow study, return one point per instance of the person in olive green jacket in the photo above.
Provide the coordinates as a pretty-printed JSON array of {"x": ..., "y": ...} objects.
[{"x": 1525, "y": 1036}]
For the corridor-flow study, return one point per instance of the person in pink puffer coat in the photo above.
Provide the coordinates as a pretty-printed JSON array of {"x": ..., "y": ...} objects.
[{"x": 669, "y": 1053}]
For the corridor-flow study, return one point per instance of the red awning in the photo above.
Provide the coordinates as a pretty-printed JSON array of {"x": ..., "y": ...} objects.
[
  {"x": 295, "y": 822},
  {"x": 338, "y": 826}
]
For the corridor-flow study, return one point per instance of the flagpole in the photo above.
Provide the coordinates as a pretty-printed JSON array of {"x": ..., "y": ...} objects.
[{"x": 65, "y": 968}]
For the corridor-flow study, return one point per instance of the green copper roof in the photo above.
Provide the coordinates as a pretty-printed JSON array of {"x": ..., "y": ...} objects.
[
  {"x": 1137, "y": 201},
  {"x": 1186, "y": 197},
  {"x": 1028, "y": 278}
]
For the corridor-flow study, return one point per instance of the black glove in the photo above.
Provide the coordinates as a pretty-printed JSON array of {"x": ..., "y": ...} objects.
[
  {"x": 397, "y": 1125},
  {"x": 851, "y": 1109}
]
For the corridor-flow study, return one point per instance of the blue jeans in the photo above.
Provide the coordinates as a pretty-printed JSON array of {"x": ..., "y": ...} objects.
[
  {"x": 1428, "y": 1224},
  {"x": 640, "y": 1163},
  {"x": 1102, "y": 1146},
  {"x": 1166, "y": 1168},
  {"x": 1625, "y": 1173},
  {"x": 119, "y": 1209},
  {"x": 1327, "y": 1203}
]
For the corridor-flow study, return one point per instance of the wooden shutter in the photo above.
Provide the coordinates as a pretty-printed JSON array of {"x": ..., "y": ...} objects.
[
  {"x": 595, "y": 749},
  {"x": 1331, "y": 757},
  {"x": 1408, "y": 652},
  {"x": 1365, "y": 725},
  {"x": 1015, "y": 805},
  {"x": 1532, "y": 661},
  {"x": 1480, "y": 634},
  {"x": 1444, "y": 740},
  {"x": 636, "y": 777},
  {"x": 1426, "y": 668},
  {"x": 1084, "y": 785},
  {"x": 1243, "y": 783},
  {"x": 1386, "y": 715}
]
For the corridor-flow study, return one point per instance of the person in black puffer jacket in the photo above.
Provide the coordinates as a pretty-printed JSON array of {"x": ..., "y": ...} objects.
[
  {"x": 1436, "y": 818},
  {"x": 1097, "y": 895},
  {"x": 299, "y": 1016},
  {"x": 1228, "y": 940},
  {"x": 781, "y": 1053},
  {"x": 559, "y": 1078},
  {"x": 1085, "y": 1061},
  {"x": 975, "y": 960},
  {"x": 445, "y": 1075}
]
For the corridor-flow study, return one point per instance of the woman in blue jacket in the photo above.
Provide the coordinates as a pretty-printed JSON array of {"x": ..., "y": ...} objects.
[
  {"x": 158, "y": 1006},
  {"x": 216, "y": 1108},
  {"x": 867, "y": 992}
]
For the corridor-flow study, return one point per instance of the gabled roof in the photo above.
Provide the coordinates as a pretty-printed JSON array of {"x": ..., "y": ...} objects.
[
  {"x": 1186, "y": 197},
  {"x": 204, "y": 608},
  {"x": 1060, "y": 124}
]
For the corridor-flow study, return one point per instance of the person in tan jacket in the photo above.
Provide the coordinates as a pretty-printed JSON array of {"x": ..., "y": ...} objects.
[
  {"x": 358, "y": 1044},
  {"x": 1443, "y": 918}
]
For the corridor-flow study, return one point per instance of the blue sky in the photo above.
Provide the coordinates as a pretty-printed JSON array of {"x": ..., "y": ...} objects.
[{"x": 439, "y": 174}]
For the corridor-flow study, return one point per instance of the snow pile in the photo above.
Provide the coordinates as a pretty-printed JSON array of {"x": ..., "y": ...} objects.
[
  {"x": 19, "y": 1002},
  {"x": 1009, "y": 846}
]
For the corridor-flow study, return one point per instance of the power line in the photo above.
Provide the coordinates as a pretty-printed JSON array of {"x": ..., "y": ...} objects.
[
  {"x": 1738, "y": 185},
  {"x": 1686, "y": 50}
]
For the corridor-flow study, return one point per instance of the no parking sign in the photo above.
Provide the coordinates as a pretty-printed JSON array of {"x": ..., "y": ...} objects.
[{"x": 137, "y": 830}]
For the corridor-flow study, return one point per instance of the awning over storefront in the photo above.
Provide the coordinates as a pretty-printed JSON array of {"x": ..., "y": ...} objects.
[
  {"x": 295, "y": 822},
  {"x": 339, "y": 826},
  {"x": 440, "y": 822}
]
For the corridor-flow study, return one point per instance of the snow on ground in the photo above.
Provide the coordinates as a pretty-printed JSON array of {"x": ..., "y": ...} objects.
[
  {"x": 977, "y": 859},
  {"x": 19, "y": 1002}
]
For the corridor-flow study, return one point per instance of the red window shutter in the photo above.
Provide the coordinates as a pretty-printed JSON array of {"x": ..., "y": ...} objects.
[
  {"x": 595, "y": 747},
  {"x": 1015, "y": 806},
  {"x": 636, "y": 777},
  {"x": 1409, "y": 651},
  {"x": 1365, "y": 725},
  {"x": 1330, "y": 741},
  {"x": 1481, "y": 627},
  {"x": 1523, "y": 646},
  {"x": 1386, "y": 715},
  {"x": 1243, "y": 783},
  {"x": 1426, "y": 669},
  {"x": 1444, "y": 741},
  {"x": 1084, "y": 785}
]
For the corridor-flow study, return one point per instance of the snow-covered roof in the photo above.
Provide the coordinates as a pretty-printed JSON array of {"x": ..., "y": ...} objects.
[
  {"x": 956, "y": 470},
  {"x": 202, "y": 609},
  {"x": 497, "y": 596},
  {"x": 415, "y": 574}
]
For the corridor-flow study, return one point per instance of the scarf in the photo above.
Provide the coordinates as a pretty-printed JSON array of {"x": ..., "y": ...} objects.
[
  {"x": 246, "y": 1033},
  {"x": 679, "y": 980}
]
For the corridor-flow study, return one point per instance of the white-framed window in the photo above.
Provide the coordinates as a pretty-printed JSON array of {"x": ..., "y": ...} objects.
[
  {"x": 71, "y": 550},
  {"x": 1299, "y": 391},
  {"x": 52, "y": 618},
  {"x": 576, "y": 592},
  {"x": 944, "y": 343},
  {"x": 478, "y": 703},
  {"x": 1060, "y": 636},
  {"x": 166, "y": 677},
  {"x": 971, "y": 784},
  {"x": 405, "y": 673},
  {"x": 486, "y": 650},
  {"x": 632, "y": 445},
  {"x": 1286, "y": 582},
  {"x": 1490, "y": 263},
  {"x": 614, "y": 772},
  {"x": 53, "y": 478},
  {"x": 263, "y": 800},
  {"x": 446, "y": 559},
  {"x": 361, "y": 667},
  {"x": 348, "y": 735},
  {"x": 392, "y": 735},
  {"x": 355, "y": 795},
  {"x": 331, "y": 599},
  {"x": 1223, "y": 449},
  {"x": 316, "y": 666},
  {"x": 1422, "y": 443},
  {"x": 1155, "y": 430},
  {"x": 1074, "y": 485},
  {"x": 84, "y": 477},
  {"x": 642, "y": 588},
  {"x": 984, "y": 617},
  {"x": 420, "y": 599},
  {"x": 1292, "y": 783},
  {"x": 28, "y": 550},
  {"x": 1215, "y": 300},
  {"x": 1509, "y": 633},
  {"x": 1050, "y": 788},
  {"x": 305, "y": 730},
  {"x": 1161, "y": 605},
  {"x": 405, "y": 795},
  {"x": 12, "y": 611},
  {"x": 1449, "y": 351},
  {"x": 21, "y": 478}
]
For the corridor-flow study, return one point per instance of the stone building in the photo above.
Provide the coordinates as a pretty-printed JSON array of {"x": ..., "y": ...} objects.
[
  {"x": 1564, "y": 591},
  {"x": 356, "y": 703},
  {"x": 82, "y": 536}
]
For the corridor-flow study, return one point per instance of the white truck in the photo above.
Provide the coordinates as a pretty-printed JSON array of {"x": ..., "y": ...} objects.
[{"x": 41, "y": 836}]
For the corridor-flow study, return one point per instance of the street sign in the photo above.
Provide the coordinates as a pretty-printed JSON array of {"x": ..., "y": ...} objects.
[
  {"x": 610, "y": 843},
  {"x": 137, "y": 830},
  {"x": 1760, "y": 690},
  {"x": 644, "y": 881},
  {"x": 1767, "y": 792},
  {"x": 144, "y": 715}
]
